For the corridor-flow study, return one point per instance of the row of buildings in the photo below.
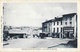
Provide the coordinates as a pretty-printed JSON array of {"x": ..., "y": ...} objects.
[
  {"x": 20, "y": 32},
  {"x": 61, "y": 27},
  {"x": 24, "y": 32}
]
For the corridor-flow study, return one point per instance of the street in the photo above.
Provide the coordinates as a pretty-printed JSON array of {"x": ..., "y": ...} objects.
[{"x": 36, "y": 43}]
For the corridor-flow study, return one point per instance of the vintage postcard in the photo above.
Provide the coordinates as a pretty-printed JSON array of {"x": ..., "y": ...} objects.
[{"x": 39, "y": 25}]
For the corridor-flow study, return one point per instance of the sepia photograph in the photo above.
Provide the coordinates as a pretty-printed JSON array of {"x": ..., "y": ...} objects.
[{"x": 40, "y": 25}]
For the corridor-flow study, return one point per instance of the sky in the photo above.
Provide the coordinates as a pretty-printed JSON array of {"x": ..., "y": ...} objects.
[{"x": 33, "y": 14}]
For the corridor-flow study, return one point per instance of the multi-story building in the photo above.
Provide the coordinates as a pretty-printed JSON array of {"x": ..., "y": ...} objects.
[
  {"x": 47, "y": 27},
  {"x": 61, "y": 27},
  {"x": 70, "y": 25},
  {"x": 57, "y": 26}
]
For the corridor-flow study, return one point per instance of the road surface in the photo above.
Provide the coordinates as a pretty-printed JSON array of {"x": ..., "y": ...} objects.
[{"x": 35, "y": 43}]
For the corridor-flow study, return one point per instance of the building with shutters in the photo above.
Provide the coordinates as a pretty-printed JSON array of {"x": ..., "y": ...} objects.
[{"x": 61, "y": 27}]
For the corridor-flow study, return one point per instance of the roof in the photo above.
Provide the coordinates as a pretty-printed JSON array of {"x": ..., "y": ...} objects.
[
  {"x": 59, "y": 18},
  {"x": 48, "y": 21},
  {"x": 17, "y": 32},
  {"x": 69, "y": 14},
  {"x": 56, "y": 19}
]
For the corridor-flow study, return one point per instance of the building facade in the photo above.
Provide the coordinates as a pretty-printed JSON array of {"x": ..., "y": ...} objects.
[{"x": 61, "y": 27}]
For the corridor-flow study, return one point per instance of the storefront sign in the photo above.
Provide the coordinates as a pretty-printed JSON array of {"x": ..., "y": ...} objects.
[{"x": 68, "y": 29}]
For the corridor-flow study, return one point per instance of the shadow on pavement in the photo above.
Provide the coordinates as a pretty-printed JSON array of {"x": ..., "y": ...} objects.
[
  {"x": 70, "y": 44},
  {"x": 5, "y": 44}
]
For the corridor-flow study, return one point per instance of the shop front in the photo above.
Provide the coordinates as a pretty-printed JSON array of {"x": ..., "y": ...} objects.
[{"x": 68, "y": 32}]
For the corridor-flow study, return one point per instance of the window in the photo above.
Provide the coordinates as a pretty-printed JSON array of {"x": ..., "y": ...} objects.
[
  {"x": 70, "y": 22},
  {"x": 57, "y": 23},
  {"x": 49, "y": 29},
  {"x": 61, "y": 29},
  {"x": 57, "y": 30},
  {"x": 61, "y": 22},
  {"x": 44, "y": 25},
  {"x": 66, "y": 23},
  {"x": 65, "y": 19},
  {"x": 45, "y": 30},
  {"x": 54, "y": 30},
  {"x": 70, "y": 18},
  {"x": 49, "y": 24},
  {"x": 54, "y": 23}
]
